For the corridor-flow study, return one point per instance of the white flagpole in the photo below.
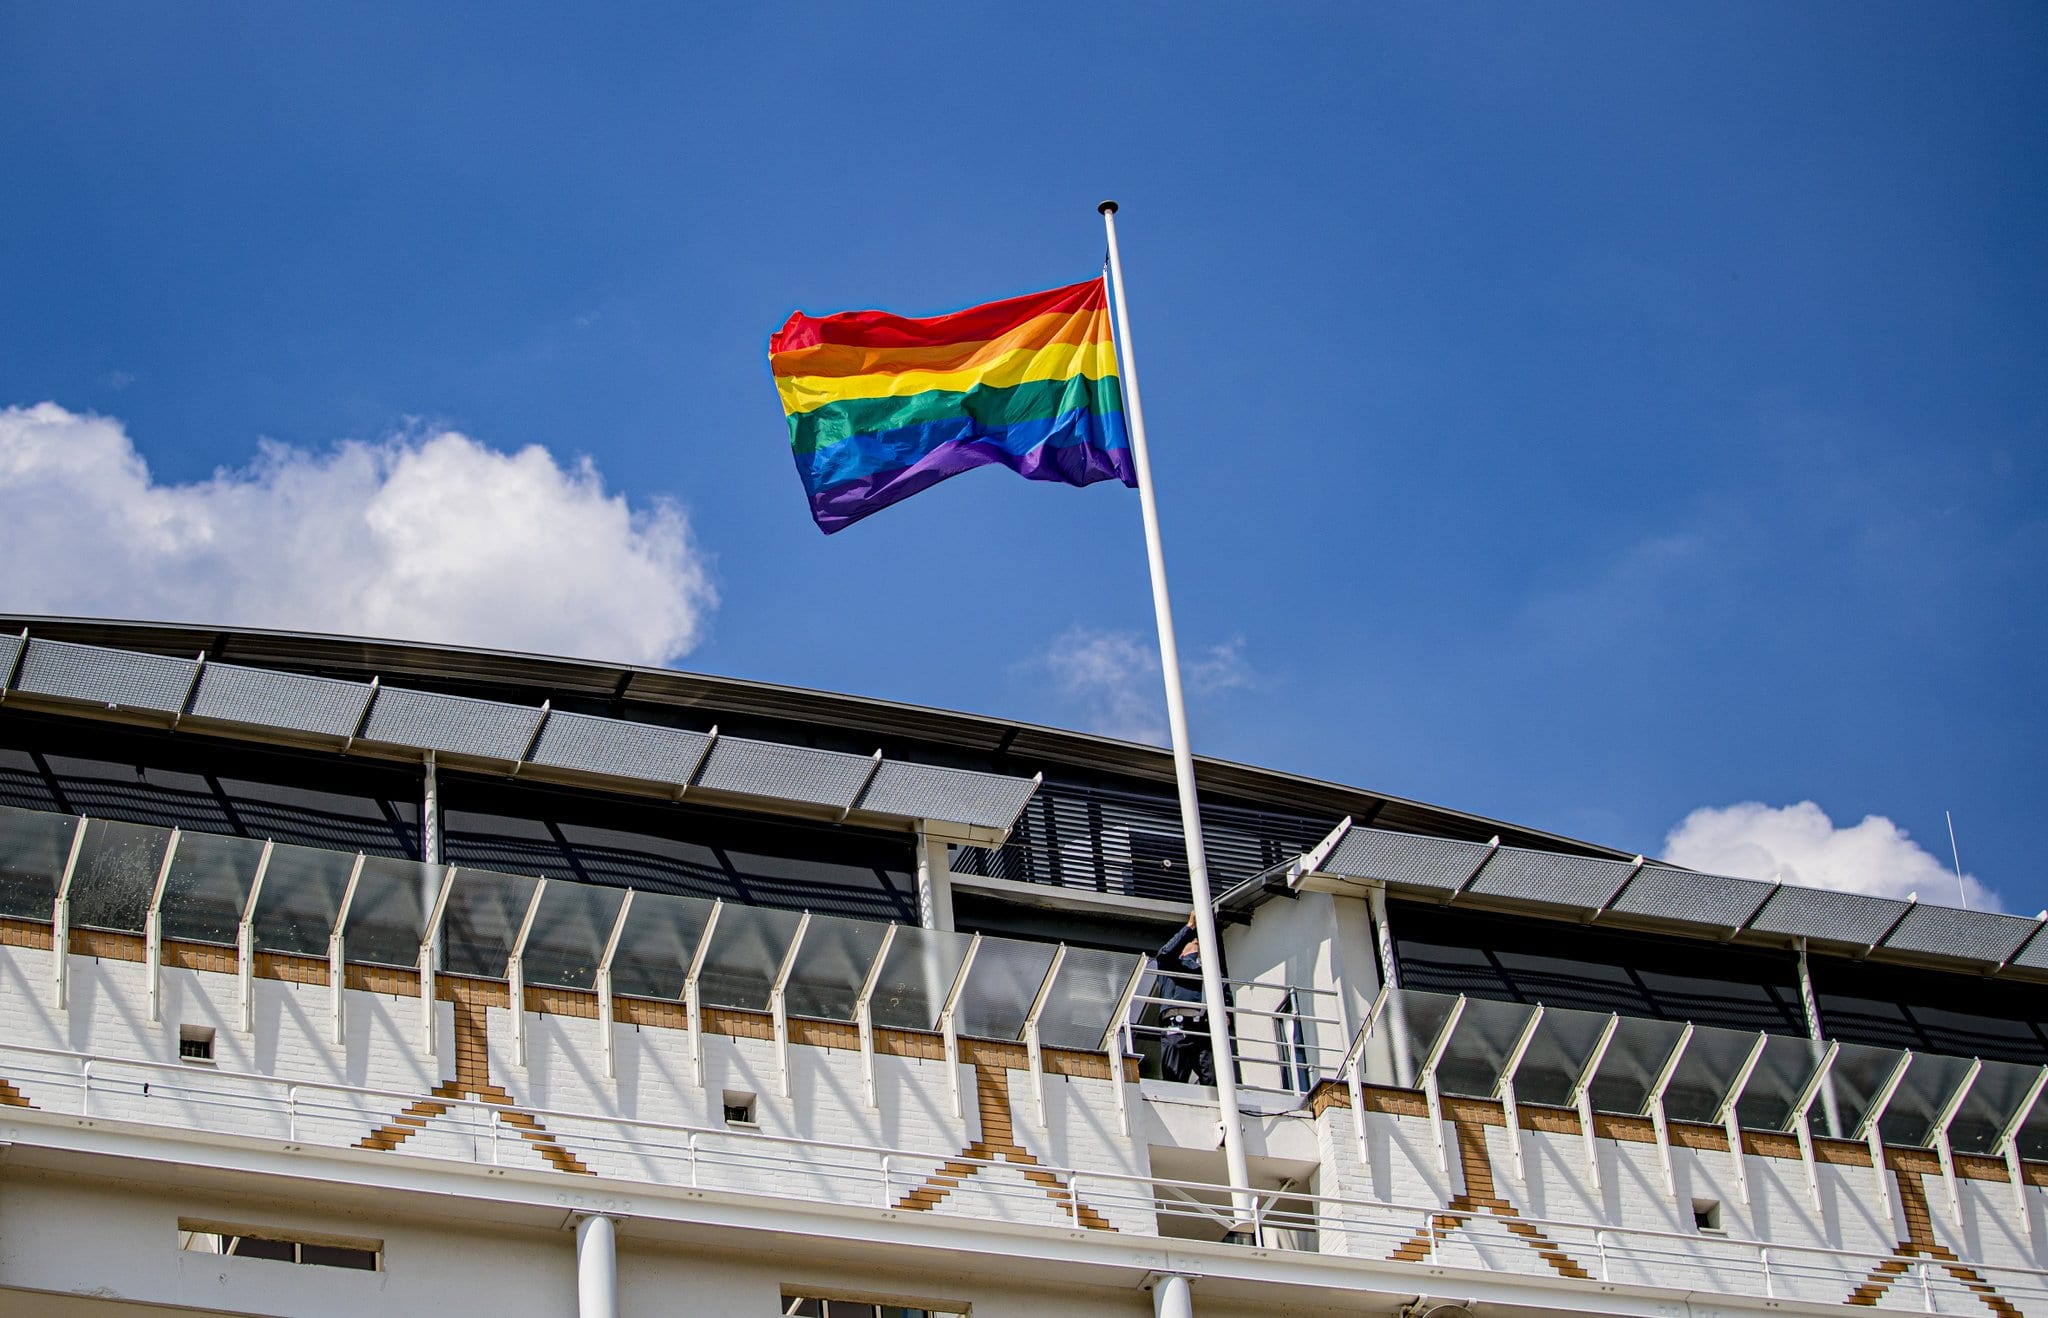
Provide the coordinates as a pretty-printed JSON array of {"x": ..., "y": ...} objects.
[{"x": 1183, "y": 758}]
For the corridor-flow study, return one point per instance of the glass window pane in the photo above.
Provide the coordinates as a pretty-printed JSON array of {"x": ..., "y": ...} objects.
[
  {"x": 917, "y": 976},
  {"x": 1410, "y": 1023},
  {"x": 1084, "y": 998},
  {"x": 1706, "y": 1072},
  {"x": 1930, "y": 1082},
  {"x": 1851, "y": 1088},
  {"x": 33, "y": 848},
  {"x": 1989, "y": 1106},
  {"x": 116, "y": 875},
  {"x": 387, "y": 919},
  {"x": 747, "y": 949},
  {"x": 569, "y": 933},
  {"x": 1557, "y": 1054},
  {"x": 1783, "y": 1070},
  {"x": 301, "y": 895},
  {"x": 1630, "y": 1066},
  {"x": 208, "y": 886},
  {"x": 1479, "y": 1047},
  {"x": 1000, "y": 986},
  {"x": 831, "y": 966},
  {"x": 655, "y": 947},
  {"x": 2033, "y": 1133},
  {"x": 485, "y": 910}
]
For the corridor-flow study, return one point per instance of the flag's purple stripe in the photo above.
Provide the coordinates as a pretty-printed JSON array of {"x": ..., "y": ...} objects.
[{"x": 1072, "y": 456}]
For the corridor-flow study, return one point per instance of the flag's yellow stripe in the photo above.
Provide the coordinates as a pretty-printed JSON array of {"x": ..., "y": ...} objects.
[{"x": 803, "y": 393}]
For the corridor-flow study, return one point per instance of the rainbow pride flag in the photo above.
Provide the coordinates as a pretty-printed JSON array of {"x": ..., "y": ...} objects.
[{"x": 882, "y": 406}]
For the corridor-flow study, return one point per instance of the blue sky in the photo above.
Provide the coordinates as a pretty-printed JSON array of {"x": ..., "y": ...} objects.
[{"x": 1580, "y": 414}]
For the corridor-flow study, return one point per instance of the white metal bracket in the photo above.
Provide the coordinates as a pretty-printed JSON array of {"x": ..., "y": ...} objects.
[
  {"x": 1582, "y": 1099},
  {"x": 515, "y": 974},
  {"x": 1113, "y": 1044},
  {"x": 1874, "y": 1137},
  {"x": 947, "y": 1026},
  {"x": 693, "y": 1004},
  {"x": 603, "y": 985},
  {"x": 1658, "y": 1124},
  {"x": 1034, "y": 1054},
  {"x": 1731, "y": 1123},
  {"x": 778, "y": 1009},
  {"x": 864, "y": 1017},
  {"x": 1942, "y": 1147},
  {"x": 430, "y": 953},
  {"x": 2009, "y": 1148},
  {"x": 337, "y": 962},
  {"x": 60, "y": 923},
  {"x": 1429, "y": 1085},
  {"x": 1505, "y": 1092},
  {"x": 1802, "y": 1119},
  {"x": 153, "y": 931}
]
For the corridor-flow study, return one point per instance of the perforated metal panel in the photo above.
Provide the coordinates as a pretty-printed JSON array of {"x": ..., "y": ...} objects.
[
  {"x": 620, "y": 749},
  {"x": 1835, "y": 917},
  {"x": 785, "y": 773},
  {"x": 1405, "y": 858},
  {"x": 1667, "y": 893},
  {"x": 1550, "y": 878},
  {"x": 459, "y": 725},
  {"x": 106, "y": 677},
  {"x": 2034, "y": 955},
  {"x": 960, "y": 796},
  {"x": 1950, "y": 931},
  {"x": 261, "y": 696},
  {"x": 10, "y": 650}
]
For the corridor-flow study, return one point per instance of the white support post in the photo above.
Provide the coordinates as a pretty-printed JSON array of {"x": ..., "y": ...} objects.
[
  {"x": 515, "y": 974},
  {"x": 430, "y": 956},
  {"x": 597, "y": 1268},
  {"x": 153, "y": 931},
  {"x": 947, "y": 1027},
  {"x": 1874, "y": 1137},
  {"x": 1731, "y": 1123},
  {"x": 1582, "y": 1099},
  {"x": 1505, "y": 1092},
  {"x": 1658, "y": 1124},
  {"x": 604, "y": 988},
  {"x": 778, "y": 1010},
  {"x": 1034, "y": 1054},
  {"x": 934, "y": 881},
  {"x": 693, "y": 1005},
  {"x": 337, "y": 963},
  {"x": 1429, "y": 1087},
  {"x": 1390, "y": 978},
  {"x": 1215, "y": 1002},
  {"x": 864, "y": 1017},
  {"x": 2009, "y": 1148},
  {"x": 1802, "y": 1119},
  {"x": 1942, "y": 1147},
  {"x": 1113, "y": 1044},
  {"x": 1809, "y": 1003},
  {"x": 1352, "y": 1067},
  {"x": 60, "y": 923}
]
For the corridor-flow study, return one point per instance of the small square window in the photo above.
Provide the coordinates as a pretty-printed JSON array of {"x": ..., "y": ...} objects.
[
  {"x": 195, "y": 1043},
  {"x": 739, "y": 1108},
  {"x": 1706, "y": 1215}
]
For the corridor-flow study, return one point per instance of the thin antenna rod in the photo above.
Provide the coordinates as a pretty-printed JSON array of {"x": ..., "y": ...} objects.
[{"x": 1957, "y": 857}]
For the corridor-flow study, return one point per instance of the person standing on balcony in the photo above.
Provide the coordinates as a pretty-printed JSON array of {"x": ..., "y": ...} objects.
[{"x": 1185, "y": 1054}]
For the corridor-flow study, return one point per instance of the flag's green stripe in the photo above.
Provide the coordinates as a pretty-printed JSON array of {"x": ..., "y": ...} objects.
[{"x": 1038, "y": 400}]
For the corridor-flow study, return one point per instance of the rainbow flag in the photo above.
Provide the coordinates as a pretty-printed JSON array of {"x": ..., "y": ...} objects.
[{"x": 882, "y": 406}]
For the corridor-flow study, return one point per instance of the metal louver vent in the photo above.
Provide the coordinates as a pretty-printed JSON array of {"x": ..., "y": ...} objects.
[
  {"x": 1825, "y": 916},
  {"x": 961, "y": 796},
  {"x": 10, "y": 650},
  {"x": 267, "y": 698},
  {"x": 1409, "y": 859},
  {"x": 102, "y": 676},
  {"x": 459, "y": 725},
  {"x": 1668, "y": 893},
  {"x": 1950, "y": 931},
  {"x": 620, "y": 749},
  {"x": 1550, "y": 878},
  {"x": 785, "y": 773}
]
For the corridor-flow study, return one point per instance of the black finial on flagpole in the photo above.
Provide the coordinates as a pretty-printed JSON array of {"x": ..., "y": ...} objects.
[{"x": 1107, "y": 208}]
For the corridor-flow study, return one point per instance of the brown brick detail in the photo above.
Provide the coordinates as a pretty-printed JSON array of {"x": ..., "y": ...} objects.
[
  {"x": 12, "y": 1097},
  {"x": 25, "y": 933},
  {"x": 998, "y": 1143},
  {"x": 1920, "y": 1242},
  {"x": 106, "y": 945},
  {"x": 1482, "y": 1196}
]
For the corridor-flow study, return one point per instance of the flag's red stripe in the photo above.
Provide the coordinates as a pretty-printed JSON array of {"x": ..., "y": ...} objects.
[{"x": 881, "y": 329}]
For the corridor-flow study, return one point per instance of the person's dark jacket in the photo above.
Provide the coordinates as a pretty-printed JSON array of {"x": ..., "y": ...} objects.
[{"x": 1180, "y": 990}]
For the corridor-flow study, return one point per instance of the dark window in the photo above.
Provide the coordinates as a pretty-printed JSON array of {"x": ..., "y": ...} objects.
[{"x": 1930, "y": 1011}]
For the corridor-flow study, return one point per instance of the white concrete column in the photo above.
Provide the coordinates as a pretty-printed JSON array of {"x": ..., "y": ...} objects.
[
  {"x": 597, "y": 1268},
  {"x": 1173, "y": 1297},
  {"x": 934, "y": 883}
]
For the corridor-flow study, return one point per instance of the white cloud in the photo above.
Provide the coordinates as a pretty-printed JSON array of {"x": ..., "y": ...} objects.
[
  {"x": 1800, "y": 844},
  {"x": 1114, "y": 679},
  {"x": 430, "y": 537}
]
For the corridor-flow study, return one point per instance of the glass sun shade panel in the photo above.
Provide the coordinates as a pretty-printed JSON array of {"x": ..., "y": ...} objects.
[
  {"x": 1929, "y": 1083},
  {"x": 482, "y": 919},
  {"x": 1478, "y": 1052},
  {"x": 831, "y": 966},
  {"x": 1000, "y": 987},
  {"x": 746, "y": 953},
  {"x": 655, "y": 947},
  {"x": 1990, "y": 1106},
  {"x": 1085, "y": 997},
  {"x": 569, "y": 933},
  {"x": 919, "y": 972},
  {"x": 1409, "y": 1023},
  {"x": 208, "y": 886},
  {"x": 33, "y": 847},
  {"x": 1640, "y": 1048},
  {"x": 300, "y": 898},
  {"x": 1852, "y": 1087},
  {"x": 116, "y": 875},
  {"x": 2033, "y": 1132},
  {"x": 1787, "y": 1063},
  {"x": 1563, "y": 1043},
  {"x": 388, "y": 918},
  {"x": 1706, "y": 1072}
]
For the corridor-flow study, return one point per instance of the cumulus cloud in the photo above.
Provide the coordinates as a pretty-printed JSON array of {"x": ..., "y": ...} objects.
[
  {"x": 1800, "y": 844},
  {"x": 1114, "y": 678},
  {"x": 431, "y": 537}
]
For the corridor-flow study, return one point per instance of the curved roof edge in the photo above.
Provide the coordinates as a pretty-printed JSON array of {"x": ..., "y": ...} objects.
[{"x": 982, "y": 733}]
